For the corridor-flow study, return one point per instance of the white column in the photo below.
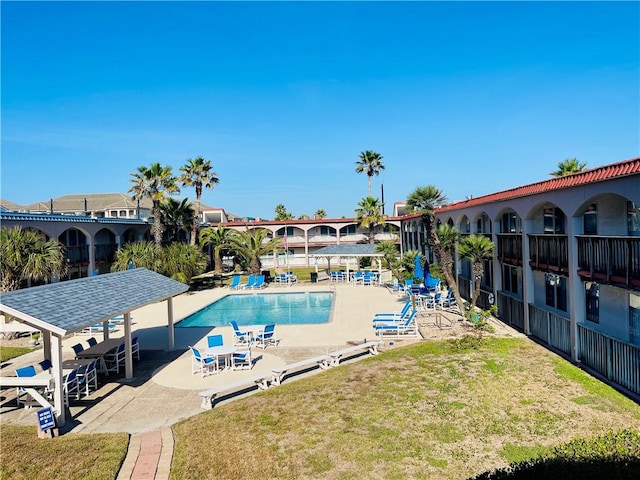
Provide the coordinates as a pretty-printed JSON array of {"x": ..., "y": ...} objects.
[
  {"x": 170, "y": 322},
  {"x": 46, "y": 343},
  {"x": 306, "y": 247},
  {"x": 128, "y": 357},
  {"x": 577, "y": 308},
  {"x": 56, "y": 371},
  {"x": 528, "y": 290}
]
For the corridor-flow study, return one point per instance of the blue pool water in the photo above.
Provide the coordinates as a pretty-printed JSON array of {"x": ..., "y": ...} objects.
[{"x": 263, "y": 309}]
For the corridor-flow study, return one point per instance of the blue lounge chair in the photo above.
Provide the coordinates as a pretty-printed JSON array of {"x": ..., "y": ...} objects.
[
  {"x": 394, "y": 316},
  {"x": 258, "y": 283},
  {"x": 235, "y": 283},
  {"x": 214, "y": 341},
  {"x": 29, "y": 371},
  {"x": 242, "y": 360},
  {"x": 408, "y": 327},
  {"x": 250, "y": 281}
]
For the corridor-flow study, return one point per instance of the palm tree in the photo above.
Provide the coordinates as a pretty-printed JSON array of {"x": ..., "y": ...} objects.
[
  {"x": 182, "y": 261},
  {"x": 198, "y": 173},
  {"x": 369, "y": 214},
  {"x": 253, "y": 244},
  {"x": 153, "y": 183},
  {"x": 28, "y": 255},
  {"x": 176, "y": 215},
  {"x": 370, "y": 163},
  {"x": 139, "y": 255},
  {"x": 448, "y": 237},
  {"x": 282, "y": 213},
  {"x": 569, "y": 166},
  {"x": 477, "y": 249},
  {"x": 390, "y": 259},
  {"x": 220, "y": 239},
  {"x": 320, "y": 213}
]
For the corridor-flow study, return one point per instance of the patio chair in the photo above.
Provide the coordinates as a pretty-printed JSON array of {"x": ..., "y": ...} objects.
[
  {"x": 114, "y": 358},
  {"x": 267, "y": 337},
  {"x": 92, "y": 342},
  {"x": 408, "y": 327},
  {"x": 202, "y": 364},
  {"x": 214, "y": 341},
  {"x": 77, "y": 348},
  {"x": 235, "y": 283},
  {"x": 88, "y": 376},
  {"x": 334, "y": 276},
  {"x": 29, "y": 371},
  {"x": 242, "y": 360},
  {"x": 135, "y": 347},
  {"x": 368, "y": 278},
  {"x": 239, "y": 337},
  {"x": 70, "y": 386},
  {"x": 45, "y": 364}
]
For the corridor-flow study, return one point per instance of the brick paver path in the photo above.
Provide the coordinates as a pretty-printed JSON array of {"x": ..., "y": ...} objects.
[{"x": 149, "y": 456}]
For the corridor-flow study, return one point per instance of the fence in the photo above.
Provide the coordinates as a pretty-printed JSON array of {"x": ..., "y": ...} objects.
[
  {"x": 552, "y": 329},
  {"x": 511, "y": 310}
]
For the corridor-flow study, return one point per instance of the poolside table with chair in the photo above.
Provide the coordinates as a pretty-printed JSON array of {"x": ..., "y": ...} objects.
[
  {"x": 221, "y": 351},
  {"x": 100, "y": 350}
]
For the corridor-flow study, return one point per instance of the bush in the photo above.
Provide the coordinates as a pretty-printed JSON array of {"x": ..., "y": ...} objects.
[{"x": 614, "y": 456}]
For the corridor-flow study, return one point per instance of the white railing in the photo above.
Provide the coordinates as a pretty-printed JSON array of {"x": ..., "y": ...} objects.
[{"x": 551, "y": 328}]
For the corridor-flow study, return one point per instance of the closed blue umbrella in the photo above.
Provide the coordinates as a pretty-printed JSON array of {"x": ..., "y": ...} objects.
[{"x": 417, "y": 271}]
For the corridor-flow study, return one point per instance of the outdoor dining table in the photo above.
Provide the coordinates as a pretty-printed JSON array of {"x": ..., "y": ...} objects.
[
  {"x": 253, "y": 330},
  {"x": 225, "y": 351},
  {"x": 31, "y": 384},
  {"x": 100, "y": 350},
  {"x": 76, "y": 364}
]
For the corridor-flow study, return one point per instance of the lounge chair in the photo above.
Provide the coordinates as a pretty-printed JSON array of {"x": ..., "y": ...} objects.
[
  {"x": 77, "y": 348},
  {"x": 258, "y": 283},
  {"x": 92, "y": 342},
  {"x": 45, "y": 364},
  {"x": 267, "y": 337},
  {"x": 88, "y": 376},
  {"x": 202, "y": 364},
  {"x": 235, "y": 283},
  {"x": 114, "y": 358},
  {"x": 29, "y": 371},
  {"x": 70, "y": 386},
  {"x": 408, "y": 327},
  {"x": 393, "y": 316},
  {"x": 250, "y": 281},
  {"x": 239, "y": 337},
  {"x": 135, "y": 347}
]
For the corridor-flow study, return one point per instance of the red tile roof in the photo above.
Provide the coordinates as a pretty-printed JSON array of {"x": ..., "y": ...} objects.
[{"x": 598, "y": 174}]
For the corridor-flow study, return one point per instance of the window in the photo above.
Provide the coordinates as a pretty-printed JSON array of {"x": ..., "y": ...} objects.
[
  {"x": 483, "y": 225},
  {"x": 123, "y": 213},
  {"x": 553, "y": 220},
  {"x": 324, "y": 230},
  {"x": 633, "y": 219},
  {"x": 511, "y": 280},
  {"x": 556, "y": 291},
  {"x": 487, "y": 276},
  {"x": 590, "y": 220},
  {"x": 348, "y": 230},
  {"x": 510, "y": 223},
  {"x": 281, "y": 232},
  {"x": 592, "y": 296},
  {"x": 465, "y": 226}
]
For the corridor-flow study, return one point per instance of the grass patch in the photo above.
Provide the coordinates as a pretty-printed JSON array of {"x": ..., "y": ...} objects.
[
  {"x": 429, "y": 410},
  {"x": 94, "y": 456},
  {"x": 7, "y": 353}
]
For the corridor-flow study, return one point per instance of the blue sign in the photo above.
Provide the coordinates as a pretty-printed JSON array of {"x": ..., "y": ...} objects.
[{"x": 46, "y": 419}]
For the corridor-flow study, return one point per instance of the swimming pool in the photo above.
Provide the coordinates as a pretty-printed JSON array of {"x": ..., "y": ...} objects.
[{"x": 263, "y": 309}]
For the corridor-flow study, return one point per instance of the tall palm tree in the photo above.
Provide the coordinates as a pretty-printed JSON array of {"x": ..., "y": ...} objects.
[
  {"x": 139, "y": 255},
  {"x": 199, "y": 174},
  {"x": 219, "y": 238},
  {"x": 176, "y": 215},
  {"x": 477, "y": 249},
  {"x": 370, "y": 163},
  {"x": 282, "y": 213},
  {"x": 369, "y": 214},
  {"x": 28, "y": 255},
  {"x": 569, "y": 166},
  {"x": 425, "y": 200},
  {"x": 153, "y": 183},
  {"x": 448, "y": 237},
  {"x": 253, "y": 244}
]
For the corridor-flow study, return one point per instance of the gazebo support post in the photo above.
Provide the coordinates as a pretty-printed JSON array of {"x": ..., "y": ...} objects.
[
  {"x": 56, "y": 371},
  {"x": 170, "y": 317},
  {"x": 128, "y": 357},
  {"x": 46, "y": 344}
]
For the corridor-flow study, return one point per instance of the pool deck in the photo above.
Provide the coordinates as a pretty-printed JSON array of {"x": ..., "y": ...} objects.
[{"x": 163, "y": 390}]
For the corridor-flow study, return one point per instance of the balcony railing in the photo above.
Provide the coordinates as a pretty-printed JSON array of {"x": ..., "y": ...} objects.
[
  {"x": 549, "y": 253},
  {"x": 106, "y": 253},
  {"x": 510, "y": 248},
  {"x": 609, "y": 259},
  {"x": 551, "y": 328},
  {"x": 511, "y": 310},
  {"x": 323, "y": 239}
]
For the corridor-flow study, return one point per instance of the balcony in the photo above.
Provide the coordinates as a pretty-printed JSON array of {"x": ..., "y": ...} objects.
[
  {"x": 510, "y": 248},
  {"x": 105, "y": 253},
  {"x": 77, "y": 255},
  {"x": 323, "y": 239},
  {"x": 549, "y": 253},
  {"x": 612, "y": 260}
]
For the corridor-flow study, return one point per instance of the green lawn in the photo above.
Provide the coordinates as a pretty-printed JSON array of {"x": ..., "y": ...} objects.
[
  {"x": 7, "y": 353},
  {"x": 432, "y": 410}
]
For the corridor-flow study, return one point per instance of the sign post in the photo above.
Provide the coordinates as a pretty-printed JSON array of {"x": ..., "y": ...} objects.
[{"x": 46, "y": 423}]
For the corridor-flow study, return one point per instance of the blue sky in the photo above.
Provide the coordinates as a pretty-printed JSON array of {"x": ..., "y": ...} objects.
[{"x": 281, "y": 97}]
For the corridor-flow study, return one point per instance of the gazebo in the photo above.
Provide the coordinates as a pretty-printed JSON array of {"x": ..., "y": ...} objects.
[
  {"x": 59, "y": 309},
  {"x": 357, "y": 251}
]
